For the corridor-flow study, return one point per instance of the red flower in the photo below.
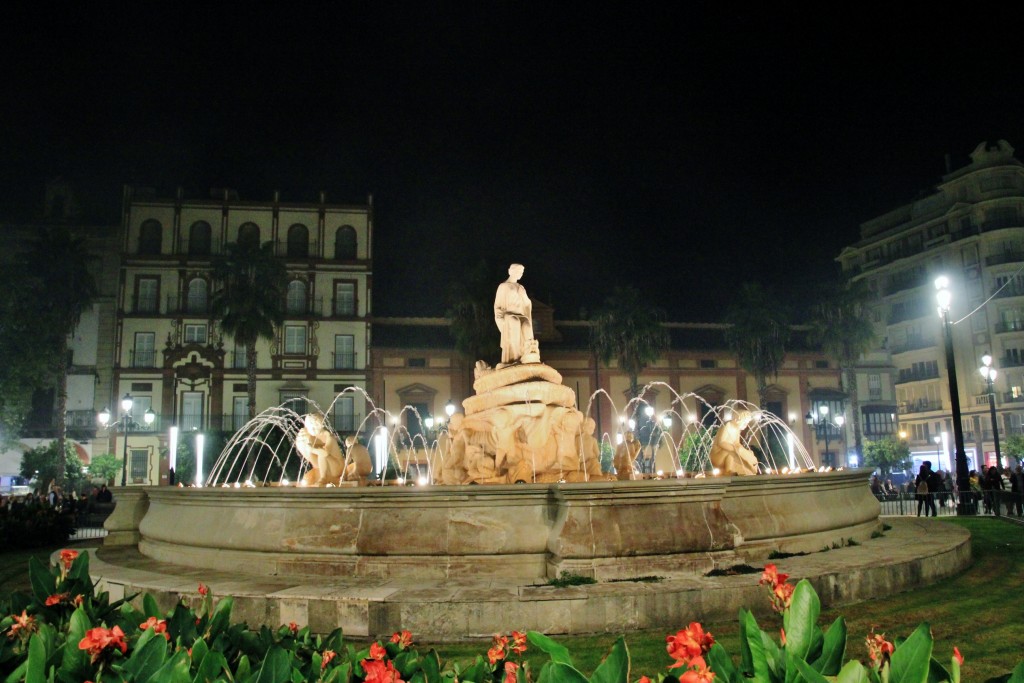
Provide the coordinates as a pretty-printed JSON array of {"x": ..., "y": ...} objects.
[
  {"x": 24, "y": 623},
  {"x": 67, "y": 558},
  {"x": 203, "y": 590},
  {"x": 380, "y": 672},
  {"x": 958, "y": 657},
  {"x": 79, "y": 599},
  {"x": 518, "y": 642},
  {"x": 377, "y": 651},
  {"x": 771, "y": 576},
  {"x": 56, "y": 599},
  {"x": 689, "y": 643},
  {"x": 510, "y": 672},
  {"x": 404, "y": 639},
  {"x": 293, "y": 627},
  {"x": 158, "y": 625},
  {"x": 98, "y": 640},
  {"x": 497, "y": 651},
  {"x": 879, "y": 649},
  {"x": 644, "y": 679},
  {"x": 698, "y": 673},
  {"x": 782, "y": 592},
  {"x": 328, "y": 655}
]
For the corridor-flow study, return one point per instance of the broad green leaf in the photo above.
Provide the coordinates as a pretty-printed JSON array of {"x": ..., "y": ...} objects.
[
  {"x": 44, "y": 584},
  {"x": 339, "y": 674},
  {"x": 746, "y": 660},
  {"x": 150, "y": 608},
  {"x": 564, "y": 673},
  {"x": 276, "y": 667},
  {"x": 759, "y": 664},
  {"x": 939, "y": 673},
  {"x": 75, "y": 664},
  {"x": 407, "y": 663},
  {"x": 149, "y": 654},
  {"x": 18, "y": 674},
  {"x": 615, "y": 667},
  {"x": 243, "y": 669},
  {"x": 209, "y": 666},
  {"x": 720, "y": 662},
  {"x": 334, "y": 641},
  {"x": 174, "y": 670},
  {"x": 911, "y": 659},
  {"x": 221, "y": 616},
  {"x": 80, "y": 571},
  {"x": 805, "y": 669},
  {"x": 558, "y": 653},
  {"x": 431, "y": 666},
  {"x": 36, "y": 670},
  {"x": 833, "y": 649},
  {"x": 801, "y": 618},
  {"x": 1018, "y": 674},
  {"x": 479, "y": 671},
  {"x": 853, "y": 672}
]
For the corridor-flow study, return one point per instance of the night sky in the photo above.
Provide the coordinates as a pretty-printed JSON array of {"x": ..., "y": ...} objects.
[{"x": 682, "y": 151}]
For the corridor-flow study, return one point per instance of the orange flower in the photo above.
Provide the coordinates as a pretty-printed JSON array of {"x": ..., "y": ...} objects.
[
  {"x": 518, "y": 642},
  {"x": 497, "y": 651},
  {"x": 98, "y": 640},
  {"x": 377, "y": 651},
  {"x": 782, "y": 595},
  {"x": 879, "y": 649},
  {"x": 689, "y": 643},
  {"x": 158, "y": 625},
  {"x": 404, "y": 639},
  {"x": 56, "y": 599},
  {"x": 327, "y": 655},
  {"x": 782, "y": 592},
  {"x": 958, "y": 657},
  {"x": 293, "y": 627},
  {"x": 771, "y": 576},
  {"x": 25, "y": 624},
  {"x": 203, "y": 590},
  {"x": 782, "y": 636},
  {"x": 67, "y": 558},
  {"x": 79, "y": 599},
  {"x": 644, "y": 679},
  {"x": 510, "y": 672},
  {"x": 698, "y": 673},
  {"x": 380, "y": 672}
]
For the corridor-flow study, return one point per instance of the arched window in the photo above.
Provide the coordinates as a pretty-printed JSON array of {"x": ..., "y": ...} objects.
[
  {"x": 196, "y": 295},
  {"x": 150, "y": 234},
  {"x": 296, "y": 301},
  {"x": 199, "y": 239},
  {"x": 298, "y": 241},
  {"x": 345, "y": 243},
  {"x": 249, "y": 232}
]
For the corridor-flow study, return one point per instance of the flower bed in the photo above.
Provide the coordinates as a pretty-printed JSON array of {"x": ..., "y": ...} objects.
[{"x": 64, "y": 631}]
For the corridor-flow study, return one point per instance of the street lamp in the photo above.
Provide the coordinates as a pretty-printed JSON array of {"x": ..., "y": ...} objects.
[
  {"x": 944, "y": 298},
  {"x": 125, "y": 423},
  {"x": 449, "y": 409},
  {"x": 823, "y": 409},
  {"x": 840, "y": 421},
  {"x": 989, "y": 373}
]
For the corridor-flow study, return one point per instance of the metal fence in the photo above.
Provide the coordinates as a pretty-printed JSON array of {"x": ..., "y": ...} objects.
[{"x": 995, "y": 503}]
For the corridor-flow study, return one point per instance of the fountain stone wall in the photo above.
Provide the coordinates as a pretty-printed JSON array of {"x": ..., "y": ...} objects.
[{"x": 527, "y": 533}]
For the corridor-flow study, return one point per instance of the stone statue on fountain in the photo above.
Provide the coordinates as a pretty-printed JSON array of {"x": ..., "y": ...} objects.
[
  {"x": 320, "y": 449},
  {"x": 513, "y": 313},
  {"x": 728, "y": 454},
  {"x": 359, "y": 464},
  {"x": 625, "y": 456}
]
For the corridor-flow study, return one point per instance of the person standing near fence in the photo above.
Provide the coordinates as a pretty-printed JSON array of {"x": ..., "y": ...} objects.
[
  {"x": 926, "y": 485},
  {"x": 1017, "y": 489}
]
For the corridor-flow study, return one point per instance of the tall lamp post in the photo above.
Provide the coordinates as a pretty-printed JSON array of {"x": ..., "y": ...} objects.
[
  {"x": 126, "y": 424},
  {"x": 989, "y": 373},
  {"x": 822, "y": 423},
  {"x": 840, "y": 421},
  {"x": 944, "y": 298}
]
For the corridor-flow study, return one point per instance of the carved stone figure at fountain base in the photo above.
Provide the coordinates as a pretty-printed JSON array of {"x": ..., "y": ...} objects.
[
  {"x": 728, "y": 454},
  {"x": 320, "y": 449}
]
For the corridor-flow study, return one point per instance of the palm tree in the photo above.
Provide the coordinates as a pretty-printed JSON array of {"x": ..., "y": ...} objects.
[
  {"x": 758, "y": 333},
  {"x": 58, "y": 264},
  {"x": 629, "y": 330},
  {"x": 249, "y": 299},
  {"x": 470, "y": 313},
  {"x": 841, "y": 323}
]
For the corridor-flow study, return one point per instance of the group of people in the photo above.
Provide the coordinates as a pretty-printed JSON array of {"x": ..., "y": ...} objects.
[
  {"x": 56, "y": 499},
  {"x": 994, "y": 488}
]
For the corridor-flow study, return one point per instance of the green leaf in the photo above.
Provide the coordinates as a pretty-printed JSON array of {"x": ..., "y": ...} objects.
[
  {"x": 44, "y": 584},
  {"x": 79, "y": 572},
  {"x": 431, "y": 666},
  {"x": 75, "y": 665},
  {"x": 243, "y": 668},
  {"x": 615, "y": 667},
  {"x": 746, "y": 659},
  {"x": 149, "y": 654},
  {"x": 720, "y": 662},
  {"x": 221, "y": 616},
  {"x": 277, "y": 666},
  {"x": 36, "y": 671},
  {"x": 805, "y": 669},
  {"x": 174, "y": 670},
  {"x": 18, "y": 674},
  {"x": 407, "y": 663},
  {"x": 759, "y": 664},
  {"x": 339, "y": 674},
  {"x": 479, "y": 671},
  {"x": 150, "y": 608},
  {"x": 801, "y": 618},
  {"x": 853, "y": 672},
  {"x": 1018, "y": 674},
  {"x": 564, "y": 673},
  {"x": 209, "y": 666},
  {"x": 910, "y": 661},
  {"x": 939, "y": 673},
  {"x": 833, "y": 649},
  {"x": 558, "y": 653}
]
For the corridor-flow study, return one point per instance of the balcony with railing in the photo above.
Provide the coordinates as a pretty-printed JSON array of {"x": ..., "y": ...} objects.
[
  {"x": 921, "y": 406},
  {"x": 913, "y": 344},
  {"x": 1010, "y": 326},
  {"x": 916, "y": 376},
  {"x": 1008, "y": 256},
  {"x": 141, "y": 359}
]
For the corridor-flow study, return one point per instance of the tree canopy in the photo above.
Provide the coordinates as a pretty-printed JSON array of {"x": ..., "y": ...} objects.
[
  {"x": 44, "y": 464},
  {"x": 470, "y": 313},
  {"x": 758, "y": 333},
  {"x": 887, "y": 455},
  {"x": 628, "y": 329}
]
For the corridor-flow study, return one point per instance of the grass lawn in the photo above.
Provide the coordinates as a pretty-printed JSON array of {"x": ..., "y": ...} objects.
[{"x": 981, "y": 612}]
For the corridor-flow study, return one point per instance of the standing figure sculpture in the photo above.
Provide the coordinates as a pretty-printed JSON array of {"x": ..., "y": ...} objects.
[
  {"x": 513, "y": 313},
  {"x": 318, "y": 446},
  {"x": 728, "y": 454}
]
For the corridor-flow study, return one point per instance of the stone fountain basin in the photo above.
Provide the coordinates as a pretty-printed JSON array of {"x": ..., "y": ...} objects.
[{"x": 527, "y": 533}]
